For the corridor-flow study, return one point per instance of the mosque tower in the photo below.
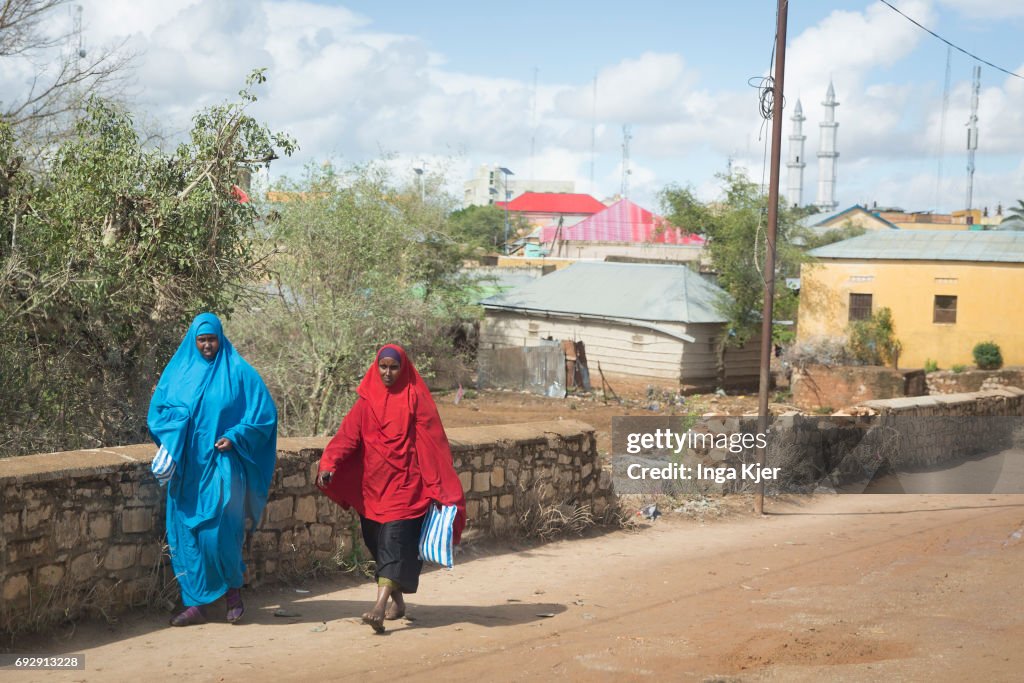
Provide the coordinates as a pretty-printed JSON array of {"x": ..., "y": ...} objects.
[
  {"x": 827, "y": 154},
  {"x": 796, "y": 163}
]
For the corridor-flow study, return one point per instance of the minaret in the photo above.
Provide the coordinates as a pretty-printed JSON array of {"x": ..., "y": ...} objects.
[
  {"x": 827, "y": 154},
  {"x": 796, "y": 163}
]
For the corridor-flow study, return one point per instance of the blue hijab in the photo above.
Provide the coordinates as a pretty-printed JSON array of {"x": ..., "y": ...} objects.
[{"x": 198, "y": 401}]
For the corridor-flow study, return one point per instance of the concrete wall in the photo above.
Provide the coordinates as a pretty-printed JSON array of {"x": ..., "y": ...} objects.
[
  {"x": 948, "y": 382},
  {"x": 83, "y": 532},
  {"x": 819, "y": 386}
]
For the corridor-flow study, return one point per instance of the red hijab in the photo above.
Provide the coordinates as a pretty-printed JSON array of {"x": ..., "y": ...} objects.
[{"x": 406, "y": 460}]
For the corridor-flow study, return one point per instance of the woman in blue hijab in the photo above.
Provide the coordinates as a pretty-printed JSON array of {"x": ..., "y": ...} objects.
[{"x": 216, "y": 428}]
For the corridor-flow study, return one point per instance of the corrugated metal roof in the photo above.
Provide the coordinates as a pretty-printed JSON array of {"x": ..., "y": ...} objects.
[
  {"x": 930, "y": 245},
  {"x": 622, "y": 291},
  {"x": 818, "y": 220},
  {"x": 554, "y": 202},
  {"x": 623, "y": 221}
]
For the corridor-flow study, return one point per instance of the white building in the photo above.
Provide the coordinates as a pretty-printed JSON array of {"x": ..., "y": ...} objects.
[{"x": 489, "y": 186}]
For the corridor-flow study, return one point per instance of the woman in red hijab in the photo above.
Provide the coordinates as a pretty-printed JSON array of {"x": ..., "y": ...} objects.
[{"x": 390, "y": 460}]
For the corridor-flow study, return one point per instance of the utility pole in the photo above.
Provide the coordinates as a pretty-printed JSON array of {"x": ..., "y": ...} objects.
[
  {"x": 626, "y": 136},
  {"x": 769, "y": 261}
]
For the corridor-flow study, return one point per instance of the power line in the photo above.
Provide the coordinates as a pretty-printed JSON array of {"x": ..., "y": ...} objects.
[{"x": 952, "y": 45}]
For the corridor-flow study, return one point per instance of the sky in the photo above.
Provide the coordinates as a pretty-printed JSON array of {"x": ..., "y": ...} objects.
[{"x": 453, "y": 85}]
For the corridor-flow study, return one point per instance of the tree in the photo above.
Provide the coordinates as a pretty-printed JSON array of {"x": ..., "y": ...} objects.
[
  {"x": 360, "y": 262},
  {"x": 106, "y": 255},
  {"x": 843, "y": 232},
  {"x": 1016, "y": 212},
  {"x": 58, "y": 91},
  {"x": 735, "y": 231},
  {"x": 484, "y": 226}
]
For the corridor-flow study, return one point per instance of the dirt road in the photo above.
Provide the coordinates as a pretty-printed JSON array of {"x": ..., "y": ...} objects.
[{"x": 884, "y": 587}]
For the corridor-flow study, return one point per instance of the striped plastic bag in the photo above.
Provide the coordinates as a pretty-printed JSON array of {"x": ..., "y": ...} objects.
[
  {"x": 163, "y": 465},
  {"x": 436, "y": 536}
]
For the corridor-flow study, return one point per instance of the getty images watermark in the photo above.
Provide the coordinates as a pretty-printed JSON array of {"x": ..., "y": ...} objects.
[
  {"x": 675, "y": 442},
  {"x": 813, "y": 453}
]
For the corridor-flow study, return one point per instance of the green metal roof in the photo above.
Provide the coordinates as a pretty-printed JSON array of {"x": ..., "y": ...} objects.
[
  {"x": 929, "y": 245},
  {"x": 621, "y": 291}
]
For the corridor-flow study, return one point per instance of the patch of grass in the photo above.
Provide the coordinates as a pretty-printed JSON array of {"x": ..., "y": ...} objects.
[{"x": 958, "y": 368}]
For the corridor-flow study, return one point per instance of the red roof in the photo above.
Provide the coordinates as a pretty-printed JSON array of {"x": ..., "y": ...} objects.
[
  {"x": 624, "y": 221},
  {"x": 554, "y": 202}
]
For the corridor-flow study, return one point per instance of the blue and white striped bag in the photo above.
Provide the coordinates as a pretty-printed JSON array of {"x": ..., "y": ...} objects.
[
  {"x": 163, "y": 465},
  {"x": 436, "y": 536}
]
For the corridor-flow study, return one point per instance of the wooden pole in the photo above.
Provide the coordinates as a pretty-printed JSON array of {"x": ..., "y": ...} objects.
[{"x": 773, "y": 223}]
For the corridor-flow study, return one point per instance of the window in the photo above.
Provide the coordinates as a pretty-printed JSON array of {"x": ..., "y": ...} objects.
[
  {"x": 860, "y": 307},
  {"x": 945, "y": 309}
]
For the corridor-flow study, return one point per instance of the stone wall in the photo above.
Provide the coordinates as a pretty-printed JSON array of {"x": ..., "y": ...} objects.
[
  {"x": 83, "y": 531},
  {"x": 949, "y": 382},
  {"x": 820, "y": 386}
]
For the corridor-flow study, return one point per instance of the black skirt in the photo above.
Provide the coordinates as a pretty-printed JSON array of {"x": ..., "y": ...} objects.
[{"x": 395, "y": 550}]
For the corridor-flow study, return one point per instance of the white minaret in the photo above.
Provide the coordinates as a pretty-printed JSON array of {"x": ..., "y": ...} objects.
[
  {"x": 827, "y": 154},
  {"x": 796, "y": 163}
]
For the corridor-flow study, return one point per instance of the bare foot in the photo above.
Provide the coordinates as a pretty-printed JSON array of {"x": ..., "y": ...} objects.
[
  {"x": 397, "y": 608},
  {"x": 374, "y": 621}
]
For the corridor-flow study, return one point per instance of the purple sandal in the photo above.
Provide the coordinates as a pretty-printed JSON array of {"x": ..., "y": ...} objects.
[
  {"x": 235, "y": 607},
  {"x": 189, "y": 617}
]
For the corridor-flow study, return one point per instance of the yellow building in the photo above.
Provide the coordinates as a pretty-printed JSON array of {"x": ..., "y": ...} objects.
[{"x": 947, "y": 291}]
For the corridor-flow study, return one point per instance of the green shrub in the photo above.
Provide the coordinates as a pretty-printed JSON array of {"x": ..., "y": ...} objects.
[
  {"x": 987, "y": 356},
  {"x": 873, "y": 341},
  {"x": 931, "y": 365},
  {"x": 958, "y": 368}
]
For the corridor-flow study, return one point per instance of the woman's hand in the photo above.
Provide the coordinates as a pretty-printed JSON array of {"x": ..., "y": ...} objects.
[
  {"x": 223, "y": 444},
  {"x": 323, "y": 479}
]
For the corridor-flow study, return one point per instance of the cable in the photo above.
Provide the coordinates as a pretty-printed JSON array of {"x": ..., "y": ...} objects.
[{"x": 955, "y": 47}]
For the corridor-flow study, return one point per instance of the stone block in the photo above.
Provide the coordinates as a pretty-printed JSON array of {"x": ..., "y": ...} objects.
[
  {"x": 137, "y": 520},
  {"x": 295, "y": 481},
  {"x": 321, "y": 535},
  {"x": 26, "y": 550},
  {"x": 505, "y": 502},
  {"x": 121, "y": 557},
  {"x": 488, "y": 458},
  {"x": 280, "y": 510},
  {"x": 482, "y": 482},
  {"x": 68, "y": 528},
  {"x": 305, "y": 509},
  {"x": 150, "y": 555},
  {"x": 472, "y": 509},
  {"x": 38, "y": 517},
  {"x": 263, "y": 540},
  {"x": 84, "y": 567},
  {"x": 497, "y": 477},
  {"x": 50, "y": 575},
  {"x": 467, "y": 480},
  {"x": 12, "y": 523},
  {"x": 586, "y": 470},
  {"x": 100, "y": 524},
  {"x": 16, "y": 588}
]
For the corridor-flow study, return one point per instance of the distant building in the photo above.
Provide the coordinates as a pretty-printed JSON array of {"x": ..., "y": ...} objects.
[
  {"x": 488, "y": 187},
  {"x": 542, "y": 210},
  {"x": 947, "y": 291},
  {"x": 642, "y": 321},
  {"x": 623, "y": 229}
]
